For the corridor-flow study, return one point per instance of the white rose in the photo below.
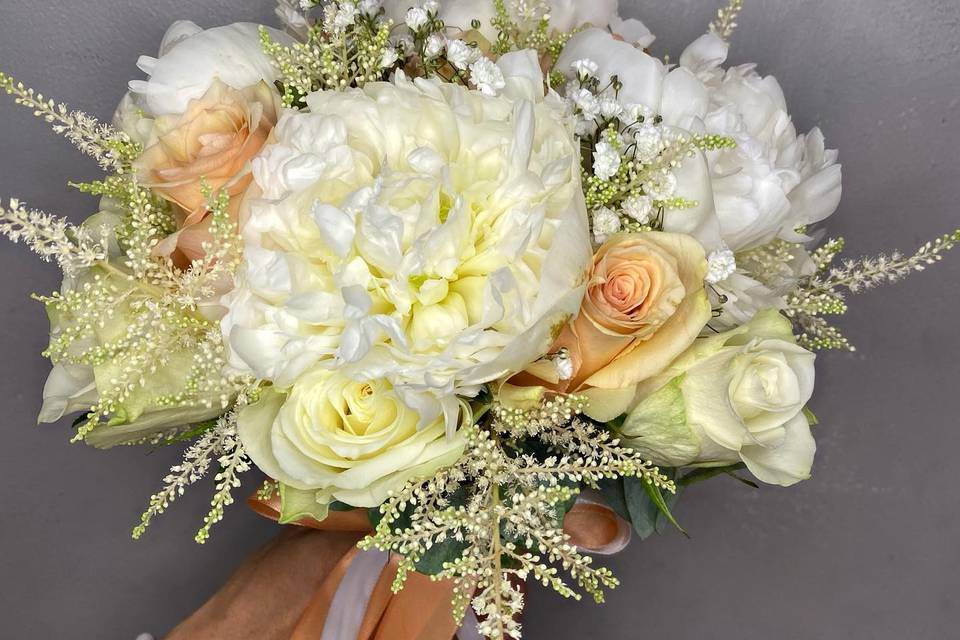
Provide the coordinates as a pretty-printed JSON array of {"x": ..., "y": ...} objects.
[
  {"x": 342, "y": 439},
  {"x": 737, "y": 396},
  {"x": 415, "y": 231},
  {"x": 192, "y": 58}
]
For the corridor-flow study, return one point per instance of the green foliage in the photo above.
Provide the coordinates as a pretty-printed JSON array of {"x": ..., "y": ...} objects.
[{"x": 649, "y": 510}]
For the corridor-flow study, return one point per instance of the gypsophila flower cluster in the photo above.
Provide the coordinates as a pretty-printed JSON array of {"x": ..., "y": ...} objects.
[
  {"x": 629, "y": 158},
  {"x": 349, "y": 47}
]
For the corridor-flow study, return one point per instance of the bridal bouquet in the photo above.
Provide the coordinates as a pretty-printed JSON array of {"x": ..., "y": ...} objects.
[{"x": 488, "y": 278}]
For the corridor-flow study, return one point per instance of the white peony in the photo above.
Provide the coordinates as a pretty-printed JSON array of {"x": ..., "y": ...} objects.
[
  {"x": 191, "y": 58},
  {"x": 774, "y": 181},
  {"x": 415, "y": 231}
]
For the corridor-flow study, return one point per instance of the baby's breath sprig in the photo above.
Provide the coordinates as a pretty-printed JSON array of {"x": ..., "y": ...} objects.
[
  {"x": 527, "y": 27},
  {"x": 347, "y": 48},
  {"x": 508, "y": 525},
  {"x": 112, "y": 149}
]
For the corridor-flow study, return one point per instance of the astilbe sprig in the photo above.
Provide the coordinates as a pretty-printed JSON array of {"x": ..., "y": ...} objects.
[
  {"x": 159, "y": 302},
  {"x": 219, "y": 443},
  {"x": 111, "y": 148},
  {"x": 824, "y": 292},
  {"x": 53, "y": 239},
  {"x": 509, "y": 523},
  {"x": 726, "y": 21},
  {"x": 525, "y": 24}
]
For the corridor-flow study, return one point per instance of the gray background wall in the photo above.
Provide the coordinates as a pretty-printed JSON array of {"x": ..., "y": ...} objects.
[{"x": 867, "y": 549}]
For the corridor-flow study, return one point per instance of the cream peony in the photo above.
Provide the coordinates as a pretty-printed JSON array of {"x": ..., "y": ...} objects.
[
  {"x": 414, "y": 231},
  {"x": 191, "y": 58},
  {"x": 343, "y": 440},
  {"x": 737, "y": 396}
]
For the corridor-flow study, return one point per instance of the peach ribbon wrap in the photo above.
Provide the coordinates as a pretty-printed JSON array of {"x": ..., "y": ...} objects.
[{"x": 355, "y": 601}]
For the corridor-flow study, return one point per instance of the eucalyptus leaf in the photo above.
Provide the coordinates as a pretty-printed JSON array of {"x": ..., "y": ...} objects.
[
  {"x": 642, "y": 511},
  {"x": 613, "y": 495}
]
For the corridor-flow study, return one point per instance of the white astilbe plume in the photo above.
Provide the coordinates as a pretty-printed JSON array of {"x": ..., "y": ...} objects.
[
  {"x": 507, "y": 522},
  {"x": 218, "y": 443},
  {"x": 824, "y": 293},
  {"x": 52, "y": 238},
  {"x": 726, "y": 20},
  {"x": 112, "y": 149}
]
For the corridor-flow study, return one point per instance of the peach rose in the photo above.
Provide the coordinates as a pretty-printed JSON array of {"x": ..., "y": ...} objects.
[
  {"x": 214, "y": 140},
  {"x": 645, "y": 304}
]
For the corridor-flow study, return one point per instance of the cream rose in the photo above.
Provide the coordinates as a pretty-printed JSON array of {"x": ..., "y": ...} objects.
[
  {"x": 341, "y": 439},
  {"x": 737, "y": 396},
  {"x": 213, "y": 141},
  {"x": 645, "y": 303}
]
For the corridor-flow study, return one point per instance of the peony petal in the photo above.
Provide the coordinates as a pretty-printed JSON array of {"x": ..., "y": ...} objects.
[{"x": 337, "y": 227}]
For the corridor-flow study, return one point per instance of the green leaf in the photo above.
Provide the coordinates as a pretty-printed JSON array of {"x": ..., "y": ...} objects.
[
  {"x": 433, "y": 560},
  {"x": 656, "y": 496},
  {"x": 746, "y": 481},
  {"x": 642, "y": 511},
  {"x": 296, "y": 504},
  {"x": 811, "y": 417},
  {"x": 614, "y": 496},
  {"x": 706, "y": 473}
]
